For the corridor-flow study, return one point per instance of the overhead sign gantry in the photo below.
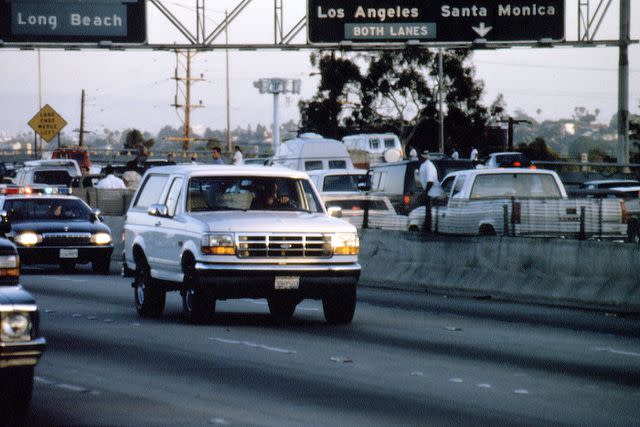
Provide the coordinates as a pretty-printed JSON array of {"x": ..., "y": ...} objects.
[
  {"x": 366, "y": 21},
  {"x": 73, "y": 21}
]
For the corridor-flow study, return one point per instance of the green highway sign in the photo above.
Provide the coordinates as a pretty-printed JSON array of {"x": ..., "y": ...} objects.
[
  {"x": 365, "y": 21},
  {"x": 73, "y": 21}
]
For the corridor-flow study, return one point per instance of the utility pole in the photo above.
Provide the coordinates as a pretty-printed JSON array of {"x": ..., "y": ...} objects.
[
  {"x": 440, "y": 112},
  {"x": 186, "y": 92},
  {"x": 81, "y": 135},
  {"x": 511, "y": 124},
  {"x": 226, "y": 53},
  {"x": 623, "y": 82}
]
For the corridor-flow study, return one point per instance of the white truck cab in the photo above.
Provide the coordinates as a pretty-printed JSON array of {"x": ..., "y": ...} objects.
[{"x": 219, "y": 232}]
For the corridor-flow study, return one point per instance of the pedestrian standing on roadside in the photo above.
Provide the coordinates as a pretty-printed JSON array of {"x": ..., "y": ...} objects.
[
  {"x": 216, "y": 155},
  {"x": 455, "y": 155},
  {"x": 237, "y": 157},
  {"x": 474, "y": 154},
  {"x": 428, "y": 178},
  {"x": 110, "y": 181}
]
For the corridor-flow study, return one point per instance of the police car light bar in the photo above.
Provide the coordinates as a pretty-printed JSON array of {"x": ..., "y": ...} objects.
[{"x": 8, "y": 190}]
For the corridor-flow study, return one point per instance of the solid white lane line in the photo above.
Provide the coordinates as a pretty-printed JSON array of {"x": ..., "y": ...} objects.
[{"x": 614, "y": 351}]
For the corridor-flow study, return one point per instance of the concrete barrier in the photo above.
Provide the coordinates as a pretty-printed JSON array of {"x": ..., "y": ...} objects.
[
  {"x": 554, "y": 271},
  {"x": 551, "y": 271}
]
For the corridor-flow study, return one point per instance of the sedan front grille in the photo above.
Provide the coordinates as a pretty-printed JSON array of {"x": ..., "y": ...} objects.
[
  {"x": 284, "y": 246},
  {"x": 66, "y": 239}
]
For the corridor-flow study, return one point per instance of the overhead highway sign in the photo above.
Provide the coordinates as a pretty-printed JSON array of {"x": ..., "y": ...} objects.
[
  {"x": 368, "y": 21},
  {"x": 73, "y": 21}
]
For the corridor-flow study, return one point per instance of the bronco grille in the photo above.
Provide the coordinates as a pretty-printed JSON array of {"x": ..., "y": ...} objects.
[
  {"x": 66, "y": 239},
  {"x": 284, "y": 246}
]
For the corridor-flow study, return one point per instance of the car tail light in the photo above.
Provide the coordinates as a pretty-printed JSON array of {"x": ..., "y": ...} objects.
[
  {"x": 516, "y": 164},
  {"x": 624, "y": 214},
  {"x": 406, "y": 199},
  {"x": 533, "y": 167}
]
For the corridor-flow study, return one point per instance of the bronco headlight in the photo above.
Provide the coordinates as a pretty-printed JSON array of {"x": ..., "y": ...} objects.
[
  {"x": 16, "y": 326},
  {"x": 101, "y": 238},
  {"x": 345, "y": 244},
  {"x": 27, "y": 238},
  {"x": 9, "y": 266},
  {"x": 218, "y": 244}
]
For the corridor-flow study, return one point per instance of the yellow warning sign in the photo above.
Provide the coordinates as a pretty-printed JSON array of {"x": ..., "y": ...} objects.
[{"x": 47, "y": 123}]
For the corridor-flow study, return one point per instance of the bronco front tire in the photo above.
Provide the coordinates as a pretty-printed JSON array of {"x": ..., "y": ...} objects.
[
  {"x": 198, "y": 304},
  {"x": 340, "y": 305}
]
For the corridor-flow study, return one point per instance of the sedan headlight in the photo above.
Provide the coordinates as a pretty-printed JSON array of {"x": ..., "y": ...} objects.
[
  {"x": 27, "y": 238},
  {"x": 218, "y": 244},
  {"x": 16, "y": 326},
  {"x": 101, "y": 238},
  {"x": 345, "y": 244},
  {"x": 9, "y": 266}
]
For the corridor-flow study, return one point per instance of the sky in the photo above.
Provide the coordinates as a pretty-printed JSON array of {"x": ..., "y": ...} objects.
[{"x": 135, "y": 89}]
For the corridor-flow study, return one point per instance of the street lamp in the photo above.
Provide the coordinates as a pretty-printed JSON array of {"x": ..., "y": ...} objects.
[{"x": 276, "y": 86}]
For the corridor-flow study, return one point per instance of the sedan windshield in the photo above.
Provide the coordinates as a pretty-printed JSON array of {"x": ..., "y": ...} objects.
[
  {"x": 46, "y": 209},
  {"x": 216, "y": 193}
]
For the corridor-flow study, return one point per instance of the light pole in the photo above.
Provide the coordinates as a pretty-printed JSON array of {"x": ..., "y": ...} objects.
[{"x": 276, "y": 86}]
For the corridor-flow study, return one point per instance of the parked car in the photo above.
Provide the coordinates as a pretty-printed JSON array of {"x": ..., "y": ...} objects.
[
  {"x": 237, "y": 232},
  {"x": 52, "y": 228},
  {"x": 340, "y": 180},
  {"x": 522, "y": 202},
  {"x": 20, "y": 342},
  {"x": 381, "y": 213},
  {"x": 609, "y": 183},
  {"x": 507, "y": 159},
  {"x": 61, "y": 172}
]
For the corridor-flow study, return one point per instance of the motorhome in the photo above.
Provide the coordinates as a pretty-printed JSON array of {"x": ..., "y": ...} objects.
[
  {"x": 372, "y": 148},
  {"x": 310, "y": 151}
]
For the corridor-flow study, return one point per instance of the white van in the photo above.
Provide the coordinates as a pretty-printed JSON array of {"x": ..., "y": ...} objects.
[
  {"x": 310, "y": 151},
  {"x": 372, "y": 148}
]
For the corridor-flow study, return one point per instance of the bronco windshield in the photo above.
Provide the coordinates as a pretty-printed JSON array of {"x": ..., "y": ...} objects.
[{"x": 217, "y": 193}]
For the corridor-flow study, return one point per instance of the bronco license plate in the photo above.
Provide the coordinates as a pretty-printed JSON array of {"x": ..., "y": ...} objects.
[
  {"x": 287, "y": 282},
  {"x": 68, "y": 253}
]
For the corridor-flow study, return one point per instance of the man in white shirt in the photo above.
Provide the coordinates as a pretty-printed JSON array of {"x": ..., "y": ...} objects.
[
  {"x": 110, "y": 181},
  {"x": 428, "y": 178},
  {"x": 455, "y": 155},
  {"x": 474, "y": 154},
  {"x": 237, "y": 157}
]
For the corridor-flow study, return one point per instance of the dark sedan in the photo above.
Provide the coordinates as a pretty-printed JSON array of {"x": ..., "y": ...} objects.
[
  {"x": 57, "y": 229},
  {"x": 20, "y": 343}
]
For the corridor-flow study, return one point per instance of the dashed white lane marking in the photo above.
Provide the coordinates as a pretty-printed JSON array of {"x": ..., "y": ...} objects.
[
  {"x": 42, "y": 380},
  {"x": 219, "y": 421},
  {"x": 71, "y": 387},
  {"x": 484, "y": 385},
  {"x": 456, "y": 380},
  {"x": 614, "y": 351},
  {"x": 67, "y": 279},
  {"x": 521, "y": 391},
  {"x": 253, "y": 345}
]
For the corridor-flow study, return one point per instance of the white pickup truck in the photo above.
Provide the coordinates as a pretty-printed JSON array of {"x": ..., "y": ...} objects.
[
  {"x": 519, "y": 202},
  {"x": 220, "y": 232}
]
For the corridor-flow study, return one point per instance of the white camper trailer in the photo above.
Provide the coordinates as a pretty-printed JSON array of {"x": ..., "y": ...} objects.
[
  {"x": 311, "y": 151},
  {"x": 372, "y": 148}
]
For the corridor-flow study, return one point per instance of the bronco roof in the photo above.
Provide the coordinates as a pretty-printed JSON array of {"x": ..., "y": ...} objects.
[{"x": 227, "y": 170}]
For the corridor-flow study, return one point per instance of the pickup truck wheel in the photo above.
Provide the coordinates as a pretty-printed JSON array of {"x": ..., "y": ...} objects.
[
  {"x": 16, "y": 389},
  {"x": 149, "y": 299},
  {"x": 101, "y": 266},
  {"x": 198, "y": 305},
  {"x": 340, "y": 305},
  {"x": 282, "y": 308}
]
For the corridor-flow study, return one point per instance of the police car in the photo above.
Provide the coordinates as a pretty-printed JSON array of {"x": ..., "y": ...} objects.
[{"x": 50, "y": 226}]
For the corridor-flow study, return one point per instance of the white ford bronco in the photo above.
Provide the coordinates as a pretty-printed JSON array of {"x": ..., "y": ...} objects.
[{"x": 215, "y": 232}]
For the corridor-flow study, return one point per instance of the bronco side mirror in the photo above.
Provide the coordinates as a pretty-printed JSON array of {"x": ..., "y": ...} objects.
[
  {"x": 335, "y": 211},
  {"x": 158, "y": 209}
]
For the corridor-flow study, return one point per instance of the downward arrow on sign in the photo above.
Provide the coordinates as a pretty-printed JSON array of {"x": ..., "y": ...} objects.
[{"x": 482, "y": 30}]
